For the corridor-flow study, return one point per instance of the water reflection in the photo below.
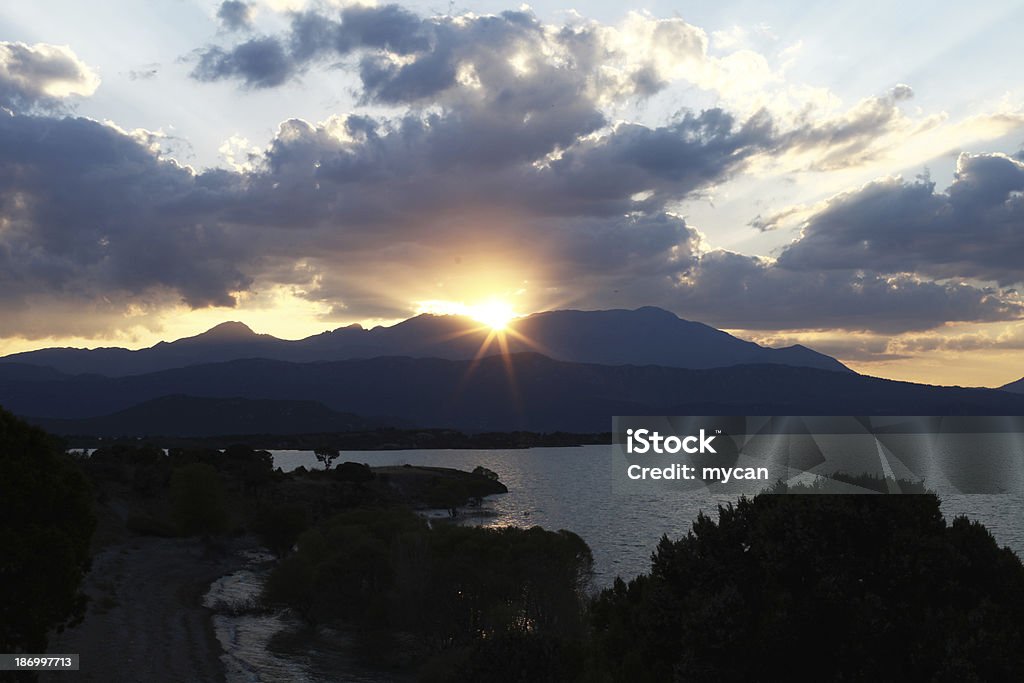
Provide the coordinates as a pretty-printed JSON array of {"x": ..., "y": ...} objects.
[{"x": 571, "y": 488}]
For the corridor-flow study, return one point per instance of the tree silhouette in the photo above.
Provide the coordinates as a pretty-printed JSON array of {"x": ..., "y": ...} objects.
[
  {"x": 858, "y": 587},
  {"x": 326, "y": 455},
  {"x": 47, "y": 523}
]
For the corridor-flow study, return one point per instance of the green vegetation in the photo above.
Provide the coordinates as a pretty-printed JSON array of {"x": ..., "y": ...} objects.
[{"x": 48, "y": 520}]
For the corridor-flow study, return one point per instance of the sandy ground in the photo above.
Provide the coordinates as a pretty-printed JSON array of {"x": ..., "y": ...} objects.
[{"x": 145, "y": 620}]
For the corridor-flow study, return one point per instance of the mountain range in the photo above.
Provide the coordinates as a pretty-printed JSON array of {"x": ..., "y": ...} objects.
[
  {"x": 646, "y": 336},
  {"x": 1016, "y": 387},
  {"x": 523, "y": 391},
  {"x": 565, "y": 371},
  {"x": 196, "y": 416}
]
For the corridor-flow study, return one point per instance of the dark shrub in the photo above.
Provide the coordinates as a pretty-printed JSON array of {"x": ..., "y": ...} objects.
[
  {"x": 836, "y": 587},
  {"x": 354, "y": 472},
  {"x": 48, "y": 521}
]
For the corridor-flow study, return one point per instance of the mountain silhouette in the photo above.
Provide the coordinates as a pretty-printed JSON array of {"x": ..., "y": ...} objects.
[
  {"x": 199, "y": 416},
  {"x": 646, "y": 336},
  {"x": 1016, "y": 387},
  {"x": 524, "y": 391}
]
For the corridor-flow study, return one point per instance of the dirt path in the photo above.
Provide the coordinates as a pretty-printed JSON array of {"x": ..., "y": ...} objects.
[{"x": 145, "y": 620}]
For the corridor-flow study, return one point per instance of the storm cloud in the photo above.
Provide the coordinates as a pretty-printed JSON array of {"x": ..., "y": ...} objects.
[{"x": 90, "y": 212}]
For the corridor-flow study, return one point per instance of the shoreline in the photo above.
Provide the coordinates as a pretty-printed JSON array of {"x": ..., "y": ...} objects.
[
  {"x": 375, "y": 440},
  {"x": 146, "y": 620}
]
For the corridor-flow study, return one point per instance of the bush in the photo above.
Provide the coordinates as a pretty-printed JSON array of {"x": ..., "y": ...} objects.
[
  {"x": 515, "y": 593},
  {"x": 48, "y": 521},
  {"x": 353, "y": 472},
  {"x": 833, "y": 587}
]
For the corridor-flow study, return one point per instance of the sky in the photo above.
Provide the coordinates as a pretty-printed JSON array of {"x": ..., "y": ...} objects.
[{"x": 845, "y": 175}]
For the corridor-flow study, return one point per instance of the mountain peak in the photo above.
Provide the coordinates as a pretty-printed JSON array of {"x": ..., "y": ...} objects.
[{"x": 229, "y": 330}]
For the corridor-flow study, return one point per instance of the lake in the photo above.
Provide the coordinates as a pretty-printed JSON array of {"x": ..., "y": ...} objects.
[
  {"x": 556, "y": 488},
  {"x": 571, "y": 488}
]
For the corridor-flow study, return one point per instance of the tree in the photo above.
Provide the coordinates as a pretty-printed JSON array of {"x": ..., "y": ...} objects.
[
  {"x": 483, "y": 604},
  {"x": 852, "y": 587},
  {"x": 355, "y": 472},
  {"x": 47, "y": 523},
  {"x": 327, "y": 455}
]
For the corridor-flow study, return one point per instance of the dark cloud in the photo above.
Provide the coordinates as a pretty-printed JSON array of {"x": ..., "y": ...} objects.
[
  {"x": 90, "y": 212},
  {"x": 270, "y": 60},
  {"x": 663, "y": 163},
  {"x": 404, "y": 58},
  {"x": 94, "y": 210},
  {"x": 736, "y": 291},
  {"x": 502, "y": 154},
  {"x": 235, "y": 15},
  {"x": 259, "y": 63},
  {"x": 40, "y": 77},
  {"x": 972, "y": 230},
  {"x": 354, "y": 212}
]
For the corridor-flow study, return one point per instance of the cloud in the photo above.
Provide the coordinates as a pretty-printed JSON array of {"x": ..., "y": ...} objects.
[
  {"x": 497, "y": 165},
  {"x": 970, "y": 231},
  {"x": 346, "y": 208},
  {"x": 514, "y": 62},
  {"x": 260, "y": 63},
  {"x": 1011, "y": 338},
  {"x": 42, "y": 76},
  {"x": 362, "y": 214},
  {"x": 844, "y": 345},
  {"x": 853, "y": 138},
  {"x": 235, "y": 15},
  {"x": 145, "y": 72},
  {"x": 737, "y": 291},
  {"x": 90, "y": 213},
  {"x": 270, "y": 61}
]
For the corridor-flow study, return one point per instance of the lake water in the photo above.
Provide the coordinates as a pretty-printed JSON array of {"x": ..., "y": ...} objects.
[
  {"x": 556, "y": 488},
  {"x": 571, "y": 488}
]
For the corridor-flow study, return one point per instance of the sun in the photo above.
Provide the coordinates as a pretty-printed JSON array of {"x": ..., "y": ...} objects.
[{"x": 494, "y": 313}]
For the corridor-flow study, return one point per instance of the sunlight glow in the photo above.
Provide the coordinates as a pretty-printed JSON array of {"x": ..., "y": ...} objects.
[{"x": 494, "y": 313}]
